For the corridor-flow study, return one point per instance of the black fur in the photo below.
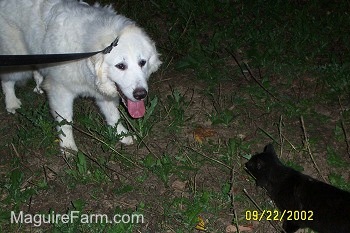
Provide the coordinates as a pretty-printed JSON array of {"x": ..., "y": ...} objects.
[{"x": 292, "y": 190}]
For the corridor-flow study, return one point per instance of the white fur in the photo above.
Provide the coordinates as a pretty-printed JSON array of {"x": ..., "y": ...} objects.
[{"x": 67, "y": 26}]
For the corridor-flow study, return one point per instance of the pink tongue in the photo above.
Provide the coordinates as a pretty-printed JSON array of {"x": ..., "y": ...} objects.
[{"x": 136, "y": 109}]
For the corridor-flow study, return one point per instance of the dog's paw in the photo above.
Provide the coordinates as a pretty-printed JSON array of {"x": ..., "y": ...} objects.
[
  {"x": 129, "y": 140},
  {"x": 65, "y": 146},
  {"x": 12, "y": 105},
  {"x": 38, "y": 80},
  {"x": 68, "y": 153},
  {"x": 38, "y": 90},
  {"x": 66, "y": 138}
]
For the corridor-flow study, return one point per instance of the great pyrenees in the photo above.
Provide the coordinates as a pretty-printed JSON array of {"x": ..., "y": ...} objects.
[{"x": 68, "y": 26}]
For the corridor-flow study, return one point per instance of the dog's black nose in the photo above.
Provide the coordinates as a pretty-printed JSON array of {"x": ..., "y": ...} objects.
[{"x": 139, "y": 93}]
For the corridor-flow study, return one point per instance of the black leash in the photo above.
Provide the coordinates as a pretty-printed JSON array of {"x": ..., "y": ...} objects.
[{"x": 36, "y": 59}]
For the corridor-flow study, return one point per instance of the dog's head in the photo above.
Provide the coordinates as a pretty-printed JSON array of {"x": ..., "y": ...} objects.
[{"x": 125, "y": 70}]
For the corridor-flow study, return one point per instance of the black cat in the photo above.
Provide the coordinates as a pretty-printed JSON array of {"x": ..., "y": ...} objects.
[{"x": 326, "y": 205}]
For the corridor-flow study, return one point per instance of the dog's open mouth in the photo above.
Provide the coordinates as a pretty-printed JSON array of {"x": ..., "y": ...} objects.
[{"x": 136, "y": 109}]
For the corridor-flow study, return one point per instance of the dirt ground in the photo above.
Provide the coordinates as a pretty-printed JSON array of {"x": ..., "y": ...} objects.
[{"x": 253, "y": 125}]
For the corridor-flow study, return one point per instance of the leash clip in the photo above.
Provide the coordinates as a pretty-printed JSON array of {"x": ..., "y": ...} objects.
[{"x": 111, "y": 46}]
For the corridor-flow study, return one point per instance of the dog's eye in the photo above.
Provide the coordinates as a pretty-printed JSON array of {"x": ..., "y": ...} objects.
[
  {"x": 142, "y": 63},
  {"x": 121, "y": 66}
]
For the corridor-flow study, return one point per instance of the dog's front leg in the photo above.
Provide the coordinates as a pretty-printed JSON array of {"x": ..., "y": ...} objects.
[
  {"x": 61, "y": 104},
  {"x": 11, "y": 101},
  {"x": 109, "y": 109}
]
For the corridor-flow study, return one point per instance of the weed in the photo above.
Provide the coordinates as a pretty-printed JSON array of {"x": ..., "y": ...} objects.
[
  {"x": 176, "y": 108},
  {"x": 80, "y": 172},
  {"x": 339, "y": 181},
  {"x": 143, "y": 126},
  {"x": 162, "y": 167},
  {"x": 335, "y": 159},
  {"x": 16, "y": 194},
  {"x": 37, "y": 124}
]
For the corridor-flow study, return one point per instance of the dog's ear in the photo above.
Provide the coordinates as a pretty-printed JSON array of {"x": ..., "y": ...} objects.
[
  {"x": 99, "y": 67},
  {"x": 103, "y": 84},
  {"x": 154, "y": 61}
]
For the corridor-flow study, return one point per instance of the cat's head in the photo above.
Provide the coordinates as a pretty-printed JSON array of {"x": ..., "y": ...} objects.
[{"x": 261, "y": 166}]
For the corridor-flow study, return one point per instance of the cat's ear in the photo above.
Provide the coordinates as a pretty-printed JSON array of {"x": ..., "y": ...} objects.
[{"x": 269, "y": 149}]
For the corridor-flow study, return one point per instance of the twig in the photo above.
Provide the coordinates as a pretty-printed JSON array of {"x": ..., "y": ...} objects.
[
  {"x": 285, "y": 138},
  {"x": 45, "y": 174},
  {"x": 345, "y": 135},
  {"x": 280, "y": 124},
  {"x": 232, "y": 195},
  {"x": 106, "y": 144},
  {"x": 342, "y": 122},
  {"x": 195, "y": 184},
  {"x": 258, "y": 82},
  {"x": 191, "y": 99},
  {"x": 15, "y": 150},
  {"x": 89, "y": 156},
  {"x": 98, "y": 164},
  {"x": 137, "y": 134},
  {"x": 251, "y": 74},
  {"x": 276, "y": 226},
  {"x": 269, "y": 135},
  {"x": 54, "y": 172},
  {"x": 307, "y": 144},
  {"x": 207, "y": 157},
  {"x": 184, "y": 31},
  {"x": 66, "y": 161},
  {"x": 30, "y": 203},
  {"x": 252, "y": 200},
  {"x": 99, "y": 140},
  {"x": 239, "y": 65}
]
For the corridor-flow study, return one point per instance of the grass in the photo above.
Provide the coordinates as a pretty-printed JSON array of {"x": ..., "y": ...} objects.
[{"x": 236, "y": 76}]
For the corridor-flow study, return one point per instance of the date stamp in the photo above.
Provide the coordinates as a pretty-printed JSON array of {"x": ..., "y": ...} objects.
[{"x": 275, "y": 215}]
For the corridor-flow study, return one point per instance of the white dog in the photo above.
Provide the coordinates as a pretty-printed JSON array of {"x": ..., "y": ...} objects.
[{"x": 68, "y": 26}]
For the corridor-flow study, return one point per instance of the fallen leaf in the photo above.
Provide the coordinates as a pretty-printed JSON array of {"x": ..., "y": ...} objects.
[
  {"x": 179, "y": 185},
  {"x": 201, "y": 224},
  {"x": 201, "y": 134},
  {"x": 233, "y": 228}
]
